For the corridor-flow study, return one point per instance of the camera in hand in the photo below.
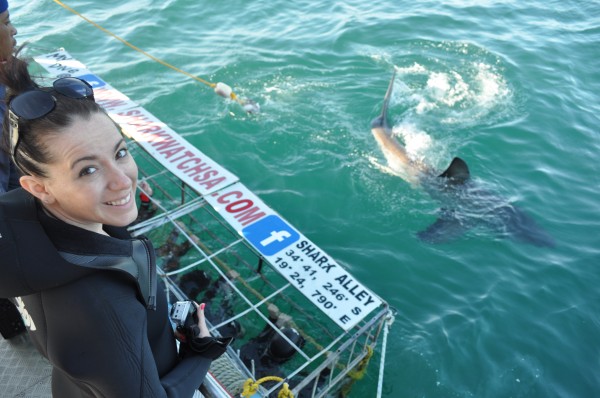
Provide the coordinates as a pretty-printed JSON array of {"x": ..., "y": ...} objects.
[
  {"x": 185, "y": 316},
  {"x": 183, "y": 313}
]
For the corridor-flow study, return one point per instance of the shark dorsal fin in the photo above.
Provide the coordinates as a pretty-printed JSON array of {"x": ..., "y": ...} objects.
[
  {"x": 381, "y": 120},
  {"x": 457, "y": 172}
]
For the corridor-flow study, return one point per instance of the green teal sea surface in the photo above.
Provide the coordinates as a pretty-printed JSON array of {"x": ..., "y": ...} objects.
[{"x": 512, "y": 87}]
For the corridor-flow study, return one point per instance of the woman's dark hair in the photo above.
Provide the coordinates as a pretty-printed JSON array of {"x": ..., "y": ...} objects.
[{"x": 32, "y": 153}]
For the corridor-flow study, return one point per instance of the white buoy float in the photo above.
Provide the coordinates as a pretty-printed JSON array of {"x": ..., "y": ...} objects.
[{"x": 225, "y": 91}]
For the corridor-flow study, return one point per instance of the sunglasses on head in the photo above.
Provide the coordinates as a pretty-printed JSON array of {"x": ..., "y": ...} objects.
[{"x": 35, "y": 104}]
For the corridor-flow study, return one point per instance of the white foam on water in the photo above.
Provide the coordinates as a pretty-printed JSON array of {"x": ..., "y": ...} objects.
[
  {"x": 415, "y": 68},
  {"x": 447, "y": 88},
  {"x": 462, "y": 95},
  {"x": 492, "y": 86},
  {"x": 416, "y": 141}
]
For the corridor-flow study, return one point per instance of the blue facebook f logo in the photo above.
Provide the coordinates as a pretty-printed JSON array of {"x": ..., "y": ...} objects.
[
  {"x": 270, "y": 235},
  {"x": 93, "y": 80}
]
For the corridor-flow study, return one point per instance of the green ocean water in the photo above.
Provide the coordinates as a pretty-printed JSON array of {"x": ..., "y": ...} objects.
[{"x": 511, "y": 87}]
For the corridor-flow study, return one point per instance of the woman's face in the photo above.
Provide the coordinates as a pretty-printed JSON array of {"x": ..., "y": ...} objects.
[
  {"x": 7, "y": 39},
  {"x": 92, "y": 178}
]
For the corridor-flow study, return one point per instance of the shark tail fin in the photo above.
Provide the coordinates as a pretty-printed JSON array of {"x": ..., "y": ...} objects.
[
  {"x": 381, "y": 120},
  {"x": 457, "y": 172}
]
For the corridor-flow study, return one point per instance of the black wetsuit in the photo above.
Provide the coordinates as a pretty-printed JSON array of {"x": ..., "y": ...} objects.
[{"x": 103, "y": 324}]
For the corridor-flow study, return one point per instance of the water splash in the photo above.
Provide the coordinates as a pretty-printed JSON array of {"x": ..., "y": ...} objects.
[
  {"x": 443, "y": 92},
  {"x": 417, "y": 142},
  {"x": 456, "y": 96}
]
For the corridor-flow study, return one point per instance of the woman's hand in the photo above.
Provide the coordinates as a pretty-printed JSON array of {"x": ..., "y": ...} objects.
[
  {"x": 200, "y": 331},
  {"x": 202, "y": 320}
]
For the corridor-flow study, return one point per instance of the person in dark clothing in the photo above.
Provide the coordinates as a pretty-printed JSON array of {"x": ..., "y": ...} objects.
[
  {"x": 9, "y": 177},
  {"x": 11, "y": 324},
  {"x": 87, "y": 291}
]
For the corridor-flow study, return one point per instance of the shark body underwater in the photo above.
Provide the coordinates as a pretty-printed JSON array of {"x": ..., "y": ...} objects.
[{"x": 467, "y": 205}]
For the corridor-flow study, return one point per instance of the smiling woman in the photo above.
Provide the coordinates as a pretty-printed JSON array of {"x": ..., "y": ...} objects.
[
  {"x": 91, "y": 179},
  {"x": 89, "y": 293},
  {"x": 73, "y": 158}
]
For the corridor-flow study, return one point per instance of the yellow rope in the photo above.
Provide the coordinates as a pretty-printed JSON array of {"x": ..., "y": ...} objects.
[
  {"x": 233, "y": 96},
  {"x": 357, "y": 373},
  {"x": 361, "y": 368},
  {"x": 251, "y": 387}
]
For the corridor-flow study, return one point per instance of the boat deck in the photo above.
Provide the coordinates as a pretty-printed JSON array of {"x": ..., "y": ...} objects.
[{"x": 23, "y": 371}]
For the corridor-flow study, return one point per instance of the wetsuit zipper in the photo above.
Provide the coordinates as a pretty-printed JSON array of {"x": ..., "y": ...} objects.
[{"x": 151, "y": 271}]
